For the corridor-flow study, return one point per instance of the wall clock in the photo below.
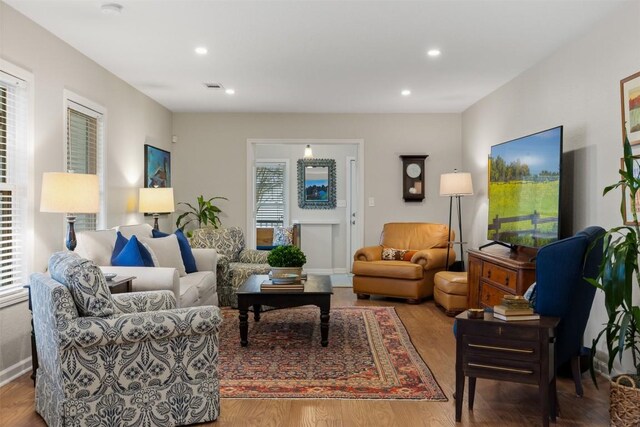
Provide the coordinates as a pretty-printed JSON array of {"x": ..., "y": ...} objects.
[{"x": 413, "y": 177}]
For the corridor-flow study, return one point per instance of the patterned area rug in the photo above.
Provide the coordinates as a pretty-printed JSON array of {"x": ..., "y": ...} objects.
[{"x": 370, "y": 356}]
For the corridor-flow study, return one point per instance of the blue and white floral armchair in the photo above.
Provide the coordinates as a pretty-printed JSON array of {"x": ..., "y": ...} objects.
[{"x": 145, "y": 364}]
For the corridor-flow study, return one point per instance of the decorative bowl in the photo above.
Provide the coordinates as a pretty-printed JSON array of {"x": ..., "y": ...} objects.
[
  {"x": 109, "y": 276},
  {"x": 282, "y": 279}
]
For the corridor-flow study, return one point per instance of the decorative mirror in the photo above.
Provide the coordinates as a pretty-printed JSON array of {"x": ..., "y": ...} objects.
[{"x": 317, "y": 183}]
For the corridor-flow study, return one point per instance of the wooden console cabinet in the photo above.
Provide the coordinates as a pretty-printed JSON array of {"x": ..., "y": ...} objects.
[{"x": 496, "y": 271}]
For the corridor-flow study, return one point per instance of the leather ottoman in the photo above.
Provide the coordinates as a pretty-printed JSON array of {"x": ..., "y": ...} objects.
[{"x": 450, "y": 291}]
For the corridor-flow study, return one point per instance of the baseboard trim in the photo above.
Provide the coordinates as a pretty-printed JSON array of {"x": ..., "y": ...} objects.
[
  {"x": 340, "y": 271},
  {"x": 319, "y": 270},
  {"x": 14, "y": 371}
]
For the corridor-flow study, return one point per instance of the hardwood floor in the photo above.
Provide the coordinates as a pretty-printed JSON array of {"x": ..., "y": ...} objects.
[{"x": 502, "y": 404}]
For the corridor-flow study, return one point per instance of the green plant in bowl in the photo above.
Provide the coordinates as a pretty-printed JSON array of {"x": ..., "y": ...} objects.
[{"x": 286, "y": 256}]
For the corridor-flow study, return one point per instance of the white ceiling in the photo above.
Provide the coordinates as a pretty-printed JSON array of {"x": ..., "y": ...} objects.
[{"x": 317, "y": 56}]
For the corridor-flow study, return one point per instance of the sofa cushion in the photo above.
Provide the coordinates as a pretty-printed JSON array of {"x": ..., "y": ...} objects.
[
  {"x": 227, "y": 241},
  {"x": 139, "y": 230},
  {"x": 391, "y": 269},
  {"x": 203, "y": 281},
  {"x": 167, "y": 251},
  {"x": 390, "y": 254},
  {"x": 188, "y": 259},
  {"x": 414, "y": 235},
  {"x": 282, "y": 236},
  {"x": 96, "y": 245},
  {"x": 85, "y": 282},
  {"x": 136, "y": 254}
]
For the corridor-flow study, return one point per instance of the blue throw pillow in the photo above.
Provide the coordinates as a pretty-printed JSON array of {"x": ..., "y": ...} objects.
[
  {"x": 188, "y": 259},
  {"x": 130, "y": 253}
]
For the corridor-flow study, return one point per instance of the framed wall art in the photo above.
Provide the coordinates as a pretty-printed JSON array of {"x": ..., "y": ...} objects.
[
  {"x": 630, "y": 98},
  {"x": 157, "y": 167},
  {"x": 627, "y": 202},
  {"x": 317, "y": 183}
]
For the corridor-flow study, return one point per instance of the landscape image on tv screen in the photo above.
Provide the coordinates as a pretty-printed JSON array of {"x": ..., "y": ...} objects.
[{"x": 524, "y": 189}]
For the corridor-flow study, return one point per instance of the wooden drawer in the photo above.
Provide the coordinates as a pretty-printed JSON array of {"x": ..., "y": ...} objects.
[
  {"x": 480, "y": 366},
  {"x": 500, "y": 275},
  {"x": 490, "y": 295},
  {"x": 503, "y": 348},
  {"x": 502, "y": 331}
]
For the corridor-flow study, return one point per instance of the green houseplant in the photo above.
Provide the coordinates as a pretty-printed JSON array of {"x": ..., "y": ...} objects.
[
  {"x": 619, "y": 274},
  {"x": 285, "y": 260},
  {"x": 206, "y": 213}
]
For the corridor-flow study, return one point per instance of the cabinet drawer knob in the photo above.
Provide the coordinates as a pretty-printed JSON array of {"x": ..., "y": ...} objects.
[
  {"x": 489, "y": 274},
  {"x": 507, "y": 281}
]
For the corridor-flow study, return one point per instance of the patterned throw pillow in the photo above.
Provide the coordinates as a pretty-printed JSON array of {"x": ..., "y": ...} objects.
[
  {"x": 85, "y": 282},
  {"x": 282, "y": 236},
  {"x": 390, "y": 254}
]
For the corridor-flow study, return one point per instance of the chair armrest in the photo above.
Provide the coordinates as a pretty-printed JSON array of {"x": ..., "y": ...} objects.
[
  {"x": 433, "y": 258},
  {"x": 139, "y": 302},
  {"x": 85, "y": 332},
  {"x": 253, "y": 256},
  {"x": 150, "y": 278},
  {"x": 369, "y": 253},
  {"x": 206, "y": 259}
]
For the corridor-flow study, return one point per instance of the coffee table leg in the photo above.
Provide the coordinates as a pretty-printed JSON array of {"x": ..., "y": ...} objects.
[
  {"x": 324, "y": 325},
  {"x": 256, "y": 312},
  {"x": 244, "y": 326}
]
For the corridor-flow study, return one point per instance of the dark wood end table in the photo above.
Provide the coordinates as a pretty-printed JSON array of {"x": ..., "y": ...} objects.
[
  {"x": 317, "y": 291},
  {"x": 520, "y": 352},
  {"x": 120, "y": 284}
]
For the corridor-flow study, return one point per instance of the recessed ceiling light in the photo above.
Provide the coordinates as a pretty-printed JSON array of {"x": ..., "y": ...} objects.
[
  {"x": 229, "y": 91},
  {"x": 433, "y": 52},
  {"x": 201, "y": 50},
  {"x": 406, "y": 92},
  {"x": 111, "y": 8}
]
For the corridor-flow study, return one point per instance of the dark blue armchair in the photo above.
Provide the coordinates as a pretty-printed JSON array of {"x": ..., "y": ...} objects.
[{"x": 562, "y": 291}]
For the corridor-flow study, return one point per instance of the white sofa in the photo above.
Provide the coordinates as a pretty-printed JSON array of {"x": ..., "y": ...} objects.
[{"x": 194, "y": 289}]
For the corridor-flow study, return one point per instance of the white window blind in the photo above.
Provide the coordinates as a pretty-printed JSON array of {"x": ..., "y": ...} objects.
[
  {"x": 13, "y": 179},
  {"x": 270, "y": 194},
  {"x": 84, "y": 135}
]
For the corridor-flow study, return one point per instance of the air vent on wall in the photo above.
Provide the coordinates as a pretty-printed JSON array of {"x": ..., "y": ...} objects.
[{"x": 213, "y": 86}]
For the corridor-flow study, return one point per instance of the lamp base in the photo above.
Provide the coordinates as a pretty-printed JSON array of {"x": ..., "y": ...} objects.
[
  {"x": 71, "y": 241},
  {"x": 156, "y": 226}
]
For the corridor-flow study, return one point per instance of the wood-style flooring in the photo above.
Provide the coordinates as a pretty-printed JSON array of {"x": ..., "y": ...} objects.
[{"x": 496, "y": 404}]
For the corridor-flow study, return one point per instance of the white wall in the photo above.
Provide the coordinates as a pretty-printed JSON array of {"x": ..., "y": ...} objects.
[
  {"x": 210, "y": 157},
  {"x": 578, "y": 87},
  {"x": 132, "y": 120}
]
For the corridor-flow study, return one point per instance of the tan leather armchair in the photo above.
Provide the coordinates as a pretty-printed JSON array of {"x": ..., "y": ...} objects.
[{"x": 411, "y": 277}]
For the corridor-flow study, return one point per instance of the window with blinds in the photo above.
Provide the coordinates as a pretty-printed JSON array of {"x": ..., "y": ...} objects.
[
  {"x": 84, "y": 134},
  {"x": 270, "y": 194},
  {"x": 13, "y": 179}
]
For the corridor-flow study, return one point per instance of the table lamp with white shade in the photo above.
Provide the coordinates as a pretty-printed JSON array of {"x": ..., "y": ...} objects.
[
  {"x": 70, "y": 193},
  {"x": 156, "y": 200},
  {"x": 456, "y": 185}
]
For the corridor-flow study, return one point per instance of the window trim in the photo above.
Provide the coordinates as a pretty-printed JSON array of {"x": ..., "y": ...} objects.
[
  {"x": 86, "y": 106},
  {"x": 15, "y": 294}
]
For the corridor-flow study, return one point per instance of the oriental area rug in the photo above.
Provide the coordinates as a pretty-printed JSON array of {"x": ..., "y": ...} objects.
[{"x": 369, "y": 356}]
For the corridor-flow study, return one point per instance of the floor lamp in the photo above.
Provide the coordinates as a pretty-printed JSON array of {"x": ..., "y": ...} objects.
[
  {"x": 156, "y": 200},
  {"x": 70, "y": 193},
  {"x": 456, "y": 185}
]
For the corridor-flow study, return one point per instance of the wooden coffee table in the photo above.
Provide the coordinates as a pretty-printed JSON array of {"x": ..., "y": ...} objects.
[{"x": 317, "y": 291}]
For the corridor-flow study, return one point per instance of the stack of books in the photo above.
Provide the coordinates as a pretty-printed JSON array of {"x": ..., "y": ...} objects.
[
  {"x": 513, "y": 309},
  {"x": 268, "y": 285}
]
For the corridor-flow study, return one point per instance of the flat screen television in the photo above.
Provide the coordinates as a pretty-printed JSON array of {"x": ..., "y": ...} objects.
[{"x": 525, "y": 179}]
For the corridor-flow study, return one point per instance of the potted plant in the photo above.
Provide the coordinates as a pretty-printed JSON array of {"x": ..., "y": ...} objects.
[
  {"x": 205, "y": 214},
  {"x": 618, "y": 270},
  {"x": 286, "y": 261}
]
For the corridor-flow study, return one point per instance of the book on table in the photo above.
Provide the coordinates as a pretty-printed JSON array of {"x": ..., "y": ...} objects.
[
  {"x": 510, "y": 311},
  {"x": 268, "y": 285},
  {"x": 515, "y": 318}
]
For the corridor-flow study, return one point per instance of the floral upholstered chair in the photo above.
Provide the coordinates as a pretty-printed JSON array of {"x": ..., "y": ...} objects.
[
  {"x": 121, "y": 360},
  {"x": 235, "y": 263}
]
